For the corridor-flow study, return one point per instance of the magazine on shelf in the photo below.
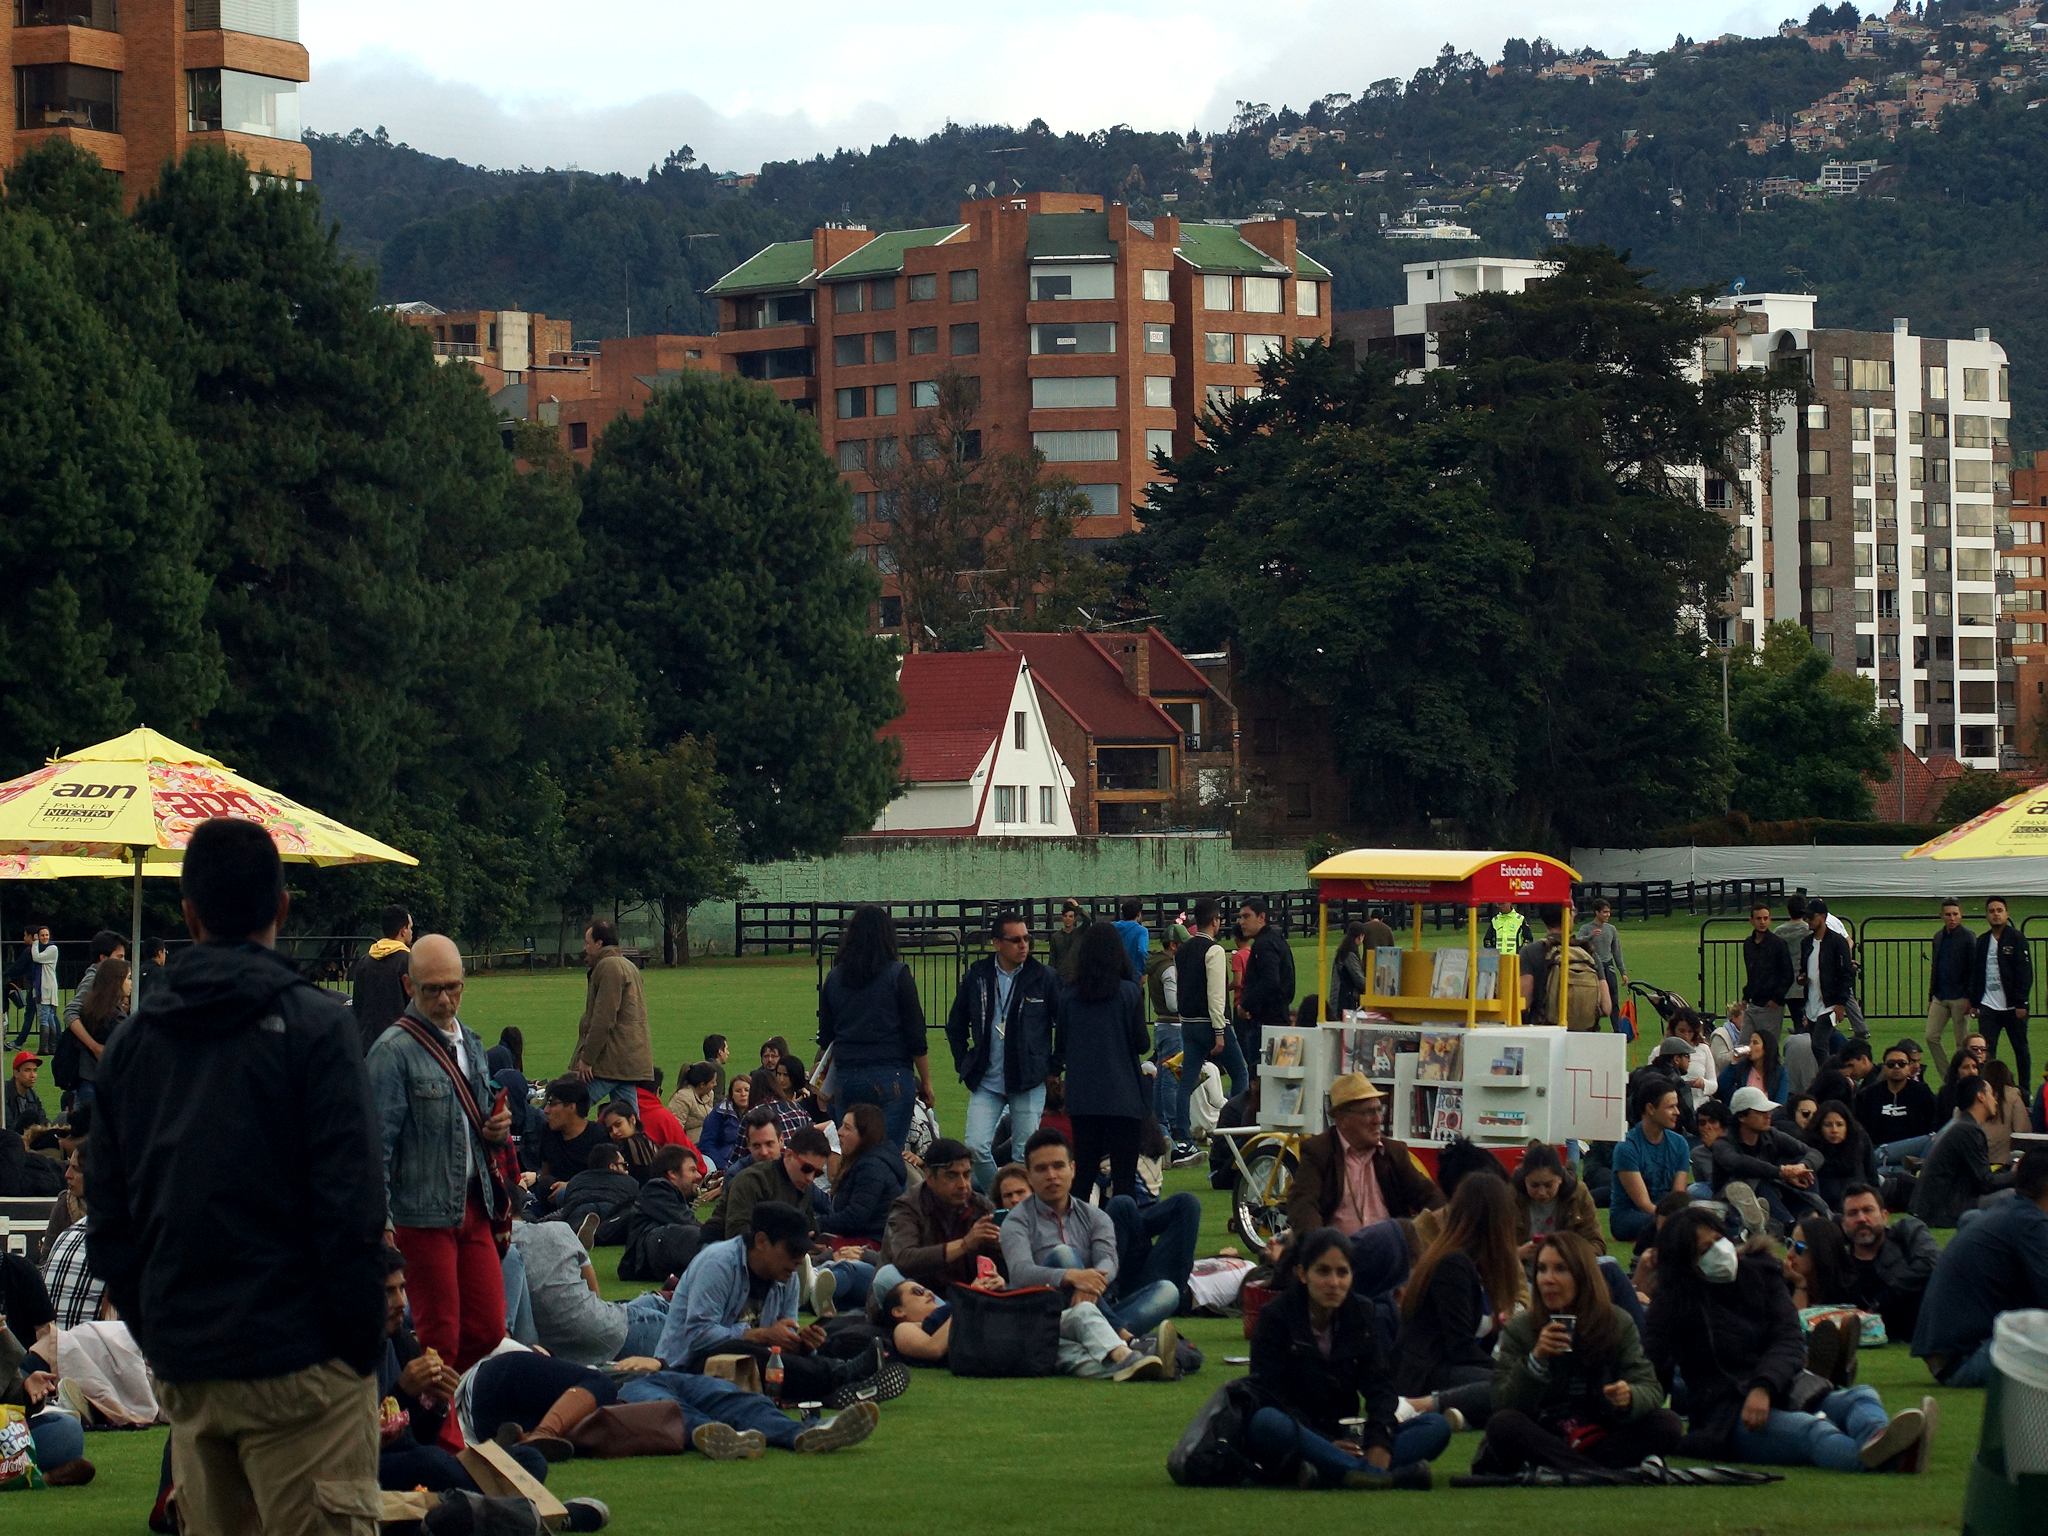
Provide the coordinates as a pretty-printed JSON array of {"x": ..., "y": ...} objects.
[
  {"x": 1422, "y": 1108},
  {"x": 1384, "y": 1049},
  {"x": 1448, "y": 1123},
  {"x": 1507, "y": 1062},
  {"x": 1386, "y": 971},
  {"x": 1447, "y": 977},
  {"x": 1442, "y": 1058},
  {"x": 1502, "y": 1122},
  {"x": 1284, "y": 1051},
  {"x": 1290, "y": 1098},
  {"x": 1357, "y": 1053},
  {"x": 1489, "y": 975}
]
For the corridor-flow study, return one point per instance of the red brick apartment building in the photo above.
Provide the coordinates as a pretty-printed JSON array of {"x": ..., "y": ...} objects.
[
  {"x": 137, "y": 82},
  {"x": 2024, "y": 581},
  {"x": 1097, "y": 338}
]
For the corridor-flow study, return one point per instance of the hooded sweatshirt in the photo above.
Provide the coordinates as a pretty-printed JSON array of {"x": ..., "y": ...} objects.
[{"x": 234, "y": 1175}]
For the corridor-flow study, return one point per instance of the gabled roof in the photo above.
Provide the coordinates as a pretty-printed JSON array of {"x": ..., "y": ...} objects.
[
  {"x": 1056, "y": 235},
  {"x": 1220, "y": 248},
  {"x": 1078, "y": 671},
  {"x": 785, "y": 264},
  {"x": 955, "y": 705},
  {"x": 884, "y": 254},
  {"x": 1171, "y": 671}
]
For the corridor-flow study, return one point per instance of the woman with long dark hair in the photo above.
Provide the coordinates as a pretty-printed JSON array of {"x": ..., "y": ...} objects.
[
  {"x": 1819, "y": 1266},
  {"x": 1464, "y": 1284},
  {"x": 871, "y": 1175},
  {"x": 1316, "y": 1357},
  {"x": 2008, "y": 1112},
  {"x": 100, "y": 1012},
  {"x": 1572, "y": 1388},
  {"x": 1102, "y": 1025},
  {"x": 1756, "y": 1065},
  {"x": 1549, "y": 1199},
  {"x": 870, "y": 1019},
  {"x": 722, "y": 1127},
  {"x": 1846, "y": 1155},
  {"x": 1347, "y": 971},
  {"x": 774, "y": 1087}
]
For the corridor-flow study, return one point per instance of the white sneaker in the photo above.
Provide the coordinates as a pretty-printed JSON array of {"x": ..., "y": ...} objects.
[
  {"x": 823, "y": 1288},
  {"x": 1404, "y": 1410}
]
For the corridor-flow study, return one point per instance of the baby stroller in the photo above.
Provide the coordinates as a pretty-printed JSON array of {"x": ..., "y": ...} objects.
[{"x": 1666, "y": 1003}]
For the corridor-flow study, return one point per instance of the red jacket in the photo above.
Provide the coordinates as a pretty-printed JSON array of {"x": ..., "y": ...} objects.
[{"x": 659, "y": 1124}]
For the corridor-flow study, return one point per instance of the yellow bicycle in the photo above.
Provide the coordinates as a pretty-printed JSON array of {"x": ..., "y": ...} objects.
[{"x": 1266, "y": 1161}]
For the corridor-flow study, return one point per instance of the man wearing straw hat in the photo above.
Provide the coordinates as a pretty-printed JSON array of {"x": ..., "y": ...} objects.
[{"x": 1353, "y": 1176}]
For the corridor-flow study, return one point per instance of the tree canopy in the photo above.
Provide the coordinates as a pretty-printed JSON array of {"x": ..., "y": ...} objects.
[{"x": 1806, "y": 735}]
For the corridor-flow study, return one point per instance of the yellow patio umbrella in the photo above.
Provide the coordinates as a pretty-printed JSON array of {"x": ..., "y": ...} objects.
[
  {"x": 131, "y": 804},
  {"x": 2012, "y": 829}
]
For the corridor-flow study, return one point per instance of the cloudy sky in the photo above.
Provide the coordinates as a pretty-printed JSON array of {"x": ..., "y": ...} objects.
[{"x": 616, "y": 86}]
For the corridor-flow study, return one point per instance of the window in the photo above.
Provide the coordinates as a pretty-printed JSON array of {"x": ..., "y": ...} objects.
[
  {"x": 579, "y": 436},
  {"x": 1816, "y": 418},
  {"x": 850, "y": 404},
  {"x": 1006, "y": 803},
  {"x": 1298, "y": 802},
  {"x": 1072, "y": 394},
  {"x": 1940, "y": 604},
  {"x": 1258, "y": 348},
  {"x": 1090, "y": 336},
  {"x": 1218, "y": 397},
  {"x": 1075, "y": 447},
  {"x": 1973, "y": 565},
  {"x": 1047, "y": 816},
  {"x": 1158, "y": 440},
  {"x": 847, "y": 298},
  {"x": 1262, "y": 295},
  {"x": 1219, "y": 347},
  {"x": 885, "y": 399},
  {"x": 1717, "y": 495},
  {"x": 1888, "y": 559},
  {"x": 882, "y": 293},
  {"x": 1974, "y": 607},
  {"x": 1082, "y": 280},
  {"x": 853, "y": 454},
  {"x": 1814, "y": 461},
  {"x": 1820, "y": 554},
  {"x": 1888, "y": 608},
  {"x": 1017, "y": 730},
  {"x": 1103, "y": 500},
  {"x": 965, "y": 286},
  {"x": 849, "y": 351},
  {"x": 924, "y": 339},
  {"x": 885, "y": 453},
  {"x": 1976, "y": 383},
  {"x": 1859, "y": 468},
  {"x": 1869, "y": 373},
  {"x": 229, "y": 101},
  {"x": 924, "y": 286},
  {"x": 1814, "y": 508},
  {"x": 1216, "y": 293},
  {"x": 1866, "y": 645},
  {"x": 1307, "y": 298},
  {"x": 1157, "y": 287},
  {"x": 1883, "y": 421},
  {"x": 1973, "y": 431},
  {"x": 883, "y": 346},
  {"x": 1935, "y": 383},
  {"x": 1820, "y": 600},
  {"x": 885, "y": 504},
  {"x": 1973, "y": 475},
  {"x": 1159, "y": 391},
  {"x": 1974, "y": 522},
  {"x": 1714, "y": 354},
  {"x": 1886, "y": 468},
  {"x": 964, "y": 340},
  {"x": 2005, "y": 381},
  {"x": 861, "y": 502},
  {"x": 923, "y": 394},
  {"x": 100, "y": 15},
  {"x": 1841, "y": 371},
  {"x": 263, "y": 18},
  {"x": 780, "y": 363},
  {"x": 1863, "y": 560},
  {"x": 71, "y": 96},
  {"x": 1859, "y": 422}
]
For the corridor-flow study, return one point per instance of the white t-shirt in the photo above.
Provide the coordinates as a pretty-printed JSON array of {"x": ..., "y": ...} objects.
[{"x": 1994, "y": 979}]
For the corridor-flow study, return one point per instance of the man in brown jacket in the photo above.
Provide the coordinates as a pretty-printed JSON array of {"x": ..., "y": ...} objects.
[
  {"x": 1353, "y": 1174},
  {"x": 938, "y": 1232},
  {"x": 612, "y": 1048}
]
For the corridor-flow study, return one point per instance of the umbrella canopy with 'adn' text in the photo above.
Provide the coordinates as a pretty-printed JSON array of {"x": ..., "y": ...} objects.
[{"x": 2012, "y": 829}]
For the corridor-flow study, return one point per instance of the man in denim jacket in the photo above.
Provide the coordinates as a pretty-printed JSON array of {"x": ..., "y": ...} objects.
[{"x": 436, "y": 1172}]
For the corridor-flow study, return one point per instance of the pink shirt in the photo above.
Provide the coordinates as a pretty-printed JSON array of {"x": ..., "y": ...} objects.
[{"x": 1362, "y": 1204}]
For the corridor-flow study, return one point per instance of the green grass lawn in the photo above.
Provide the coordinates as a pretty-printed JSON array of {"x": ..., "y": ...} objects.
[{"x": 980, "y": 1456}]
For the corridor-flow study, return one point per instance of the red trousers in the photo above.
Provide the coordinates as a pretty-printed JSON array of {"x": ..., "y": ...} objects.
[{"x": 455, "y": 1285}]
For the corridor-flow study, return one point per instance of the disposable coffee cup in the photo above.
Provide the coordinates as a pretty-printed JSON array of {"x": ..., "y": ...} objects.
[{"x": 1570, "y": 1323}]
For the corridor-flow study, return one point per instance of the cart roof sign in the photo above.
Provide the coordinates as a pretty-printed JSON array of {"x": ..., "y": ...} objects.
[{"x": 1444, "y": 874}]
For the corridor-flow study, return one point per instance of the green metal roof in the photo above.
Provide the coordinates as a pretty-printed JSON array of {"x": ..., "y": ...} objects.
[
  {"x": 884, "y": 254},
  {"x": 1306, "y": 265},
  {"x": 786, "y": 264},
  {"x": 1054, "y": 235},
  {"x": 1220, "y": 248}
]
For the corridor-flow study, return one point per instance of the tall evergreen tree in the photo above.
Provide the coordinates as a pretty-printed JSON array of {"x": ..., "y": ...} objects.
[{"x": 721, "y": 569}]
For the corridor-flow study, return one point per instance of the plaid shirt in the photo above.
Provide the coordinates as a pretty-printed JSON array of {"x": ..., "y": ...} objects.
[{"x": 75, "y": 1291}]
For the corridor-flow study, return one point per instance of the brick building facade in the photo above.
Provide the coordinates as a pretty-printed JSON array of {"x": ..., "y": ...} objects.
[
  {"x": 2023, "y": 588},
  {"x": 137, "y": 82}
]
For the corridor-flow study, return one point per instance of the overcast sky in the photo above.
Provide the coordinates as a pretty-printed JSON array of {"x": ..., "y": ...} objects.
[{"x": 616, "y": 86}]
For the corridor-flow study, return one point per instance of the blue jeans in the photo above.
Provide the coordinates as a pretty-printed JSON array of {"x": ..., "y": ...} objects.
[
  {"x": 1625, "y": 1221},
  {"x": 892, "y": 1090},
  {"x": 1138, "y": 1309},
  {"x": 712, "y": 1400},
  {"x": 46, "y": 1024},
  {"x": 602, "y": 1088},
  {"x": 81, "y": 1095},
  {"x": 984, "y": 1110},
  {"x": 1973, "y": 1370},
  {"x": 1156, "y": 1242},
  {"x": 518, "y": 1300},
  {"x": 1892, "y": 1155},
  {"x": 1275, "y": 1436},
  {"x": 851, "y": 1281},
  {"x": 58, "y": 1438},
  {"x": 1195, "y": 1040},
  {"x": 646, "y": 1316},
  {"x": 1829, "y": 1439},
  {"x": 1166, "y": 1101}
]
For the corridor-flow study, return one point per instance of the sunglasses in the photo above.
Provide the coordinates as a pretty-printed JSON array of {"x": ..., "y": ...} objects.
[
  {"x": 811, "y": 1170},
  {"x": 1895, "y": 1062},
  {"x": 1799, "y": 1246}
]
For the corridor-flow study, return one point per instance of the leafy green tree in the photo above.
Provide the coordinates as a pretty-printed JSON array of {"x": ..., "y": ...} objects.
[
  {"x": 720, "y": 569},
  {"x": 653, "y": 827},
  {"x": 103, "y": 627},
  {"x": 1975, "y": 793},
  {"x": 1807, "y": 737}
]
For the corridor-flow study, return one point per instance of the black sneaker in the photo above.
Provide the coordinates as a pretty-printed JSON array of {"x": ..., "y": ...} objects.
[{"x": 890, "y": 1380}]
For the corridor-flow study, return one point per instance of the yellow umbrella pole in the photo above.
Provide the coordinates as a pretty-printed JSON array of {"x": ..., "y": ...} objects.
[
  {"x": 135, "y": 924},
  {"x": 1471, "y": 964},
  {"x": 1564, "y": 964},
  {"x": 1323, "y": 953}
]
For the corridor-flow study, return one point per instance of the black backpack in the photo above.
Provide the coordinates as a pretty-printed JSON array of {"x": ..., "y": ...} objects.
[{"x": 1215, "y": 1450}]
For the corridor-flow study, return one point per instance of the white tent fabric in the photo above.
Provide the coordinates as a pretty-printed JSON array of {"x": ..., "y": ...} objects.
[{"x": 1853, "y": 871}]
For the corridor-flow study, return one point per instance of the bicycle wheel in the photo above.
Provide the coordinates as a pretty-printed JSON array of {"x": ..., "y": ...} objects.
[{"x": 1259, "y": 1207}]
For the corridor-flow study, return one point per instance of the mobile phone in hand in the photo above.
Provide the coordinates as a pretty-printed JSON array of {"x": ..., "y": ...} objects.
[{"x": 498, "y": 1104}]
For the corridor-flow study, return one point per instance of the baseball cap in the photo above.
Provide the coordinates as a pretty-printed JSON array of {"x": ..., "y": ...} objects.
[
  {"x": 1350, "y": 1088},
  {"x": 1747, "y": 1099},
  {"x": 1178, "y": 935},
  {"x": 20, "y": 1057}
]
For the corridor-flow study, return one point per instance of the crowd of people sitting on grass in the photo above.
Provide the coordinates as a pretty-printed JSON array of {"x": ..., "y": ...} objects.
[{"x": 809, "y": 1240}]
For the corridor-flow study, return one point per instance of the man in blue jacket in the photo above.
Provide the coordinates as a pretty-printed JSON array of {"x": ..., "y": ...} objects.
[
  {"x": 1003, "y": 1030},
  {"x": 1997, "y": 1262},
  {"x": 1948, "y": 982}
]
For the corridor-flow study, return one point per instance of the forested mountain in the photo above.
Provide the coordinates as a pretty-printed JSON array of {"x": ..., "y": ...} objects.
[{"x": 1649, "y": 158}]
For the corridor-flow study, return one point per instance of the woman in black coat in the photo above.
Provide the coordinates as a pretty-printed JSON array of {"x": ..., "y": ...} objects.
[
  {"x": 1846, "y": 1155},
  {"x": 1102, "y": 1018},
  {"x": 1305, "y": 1392},
  {"x": 1464, "y": 1284},
  {"x": 871, "y": 1175}
]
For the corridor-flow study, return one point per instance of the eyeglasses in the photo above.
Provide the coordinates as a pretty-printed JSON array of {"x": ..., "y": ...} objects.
[
  {"x": 1974, "y": 1050},
  {"x": 437, "y": 988},
  {"x": 1013, "y": 938},
  {"x": 810, "y": 1170}
]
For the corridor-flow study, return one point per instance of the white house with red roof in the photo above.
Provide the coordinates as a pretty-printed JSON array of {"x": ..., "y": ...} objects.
[{"x": 977, "y": 760}]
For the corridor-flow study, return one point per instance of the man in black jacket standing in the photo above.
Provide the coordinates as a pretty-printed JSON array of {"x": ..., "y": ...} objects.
[
  {"x": 1829, "y": 969},
  {"x": 377, "y": 982},
  {"x": 1768, "y": 975},
  {"x": 237, "y": 1198},
  {"x": 2001, "y": 979},
  {"x": 1001, "y": 1028},
  {"x": 1948, "y": 981},
  {"x": 1267, "y": 996}
]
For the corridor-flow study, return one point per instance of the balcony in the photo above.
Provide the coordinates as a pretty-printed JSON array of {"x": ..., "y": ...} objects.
[
  {"x": 2006, "y": 581},
  {"x": 231, "y": 101},
  {"x": 457, "y": 349},
  {"x": 2008, "y": 671},
  {"x": 2008, "y": 714},
  {"x": 67, "y": 96},
  {"x": 99, "y": 15},
  {"x": 2001, "y": 538}
]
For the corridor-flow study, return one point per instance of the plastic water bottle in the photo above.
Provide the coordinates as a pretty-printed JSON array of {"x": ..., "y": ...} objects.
[{"x": 771, "y": 1379}]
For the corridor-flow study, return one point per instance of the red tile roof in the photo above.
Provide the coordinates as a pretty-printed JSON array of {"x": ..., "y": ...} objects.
[
  {"x": 1080, "y": 673},
  {"x": 955, "y": 704},
  {"x": 1171, "y": 671}
]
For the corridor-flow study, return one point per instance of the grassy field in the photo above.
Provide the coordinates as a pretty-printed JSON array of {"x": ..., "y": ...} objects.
[{"x": 999, "y": 1457}]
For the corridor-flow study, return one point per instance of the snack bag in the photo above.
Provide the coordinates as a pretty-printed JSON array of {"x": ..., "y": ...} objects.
[{"x": 18, "y": 1468}]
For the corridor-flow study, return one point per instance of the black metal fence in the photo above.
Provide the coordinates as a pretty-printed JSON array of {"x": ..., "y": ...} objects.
[{"x": 937, "y": 957}]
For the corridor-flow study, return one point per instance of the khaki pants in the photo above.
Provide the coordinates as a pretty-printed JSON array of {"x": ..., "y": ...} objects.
[
  {"x": 1940, "y": 1011},
  {"x": 287, "y": 1455}
]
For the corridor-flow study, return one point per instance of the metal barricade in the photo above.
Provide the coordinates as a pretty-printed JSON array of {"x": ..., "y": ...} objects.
[
  {"x": 1722, "y": 972},
  {"x": 937, "y": 958}
]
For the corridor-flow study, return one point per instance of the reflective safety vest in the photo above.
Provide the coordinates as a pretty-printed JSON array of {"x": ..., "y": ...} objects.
[{"x": 1507, "y": 932}]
